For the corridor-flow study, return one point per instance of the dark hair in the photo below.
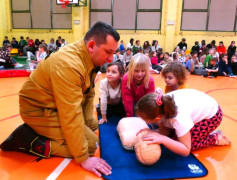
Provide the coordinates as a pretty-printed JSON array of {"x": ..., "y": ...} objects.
[
  {"x": 153, "y": 42},
  {"x": 213, "y": 42},
  {"x": 148, "y": 107},
  {"x": 37, "y": 41},
  {"x": 205, "y": 51},
  {"x": 129, "y": 49},
  {"x": 175, "y": 56},
  {"x": 6, "y": 36},
  {"x": 178, "y": 71},
  {"x": 43, "y": 46},
  {"x": 194, "y": 52},
  {"x": 196, "y": 42},
  {"x": 131, "y": 41},
  {"x": 137, "y": 41},
  {"x": 99, "y": 31},
  {"x": 119, "y": 65},
  {"x": 146, "y": 44},
  {"x": 14, "y": 38},
  {"x": 59, "y": 37},
  {"x": 21, "y": 37},
  {"x": 160, "y": 49},
  {"x": 167, "y": 53}
]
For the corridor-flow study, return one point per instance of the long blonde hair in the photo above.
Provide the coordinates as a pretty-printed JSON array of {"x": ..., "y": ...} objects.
[{"x": 138, "y": 61}]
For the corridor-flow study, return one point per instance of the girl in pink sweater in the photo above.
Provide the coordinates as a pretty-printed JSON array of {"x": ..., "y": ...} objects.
[{"x": 136, "y": 83}]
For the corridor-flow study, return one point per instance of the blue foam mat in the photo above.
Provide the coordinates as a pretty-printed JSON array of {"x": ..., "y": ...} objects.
[{"x": 125, "y": 165}]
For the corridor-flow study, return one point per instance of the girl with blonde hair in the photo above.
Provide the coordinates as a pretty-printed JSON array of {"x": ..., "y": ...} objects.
[{"x": 136, "y": 82}]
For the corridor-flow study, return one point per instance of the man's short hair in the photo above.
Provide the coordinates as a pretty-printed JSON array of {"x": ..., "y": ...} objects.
[{"x": 99, "y": 31}]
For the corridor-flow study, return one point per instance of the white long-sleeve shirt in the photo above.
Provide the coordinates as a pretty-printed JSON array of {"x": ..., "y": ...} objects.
[{"x": 108, "y": 95}]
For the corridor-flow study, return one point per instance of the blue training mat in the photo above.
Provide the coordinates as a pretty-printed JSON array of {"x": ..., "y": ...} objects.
[{"x": 125, "y": 165}]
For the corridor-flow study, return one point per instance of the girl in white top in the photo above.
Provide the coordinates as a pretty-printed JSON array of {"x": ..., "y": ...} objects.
[
  {"x": 192, "y": 114},
  {"x": 110, "y": 92}
]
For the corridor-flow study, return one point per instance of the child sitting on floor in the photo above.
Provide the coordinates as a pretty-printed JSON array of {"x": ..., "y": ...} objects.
[
  {"x": 136, "y": 83},
  {"x": 110, "y": 92},
  {"x": 154, "y": 62},
  {"x": 212, "y": 69},
  {"x": 192, "y": 114},
  {"x": 175, "y": 76},
  {"x": 40, "y": 55}
]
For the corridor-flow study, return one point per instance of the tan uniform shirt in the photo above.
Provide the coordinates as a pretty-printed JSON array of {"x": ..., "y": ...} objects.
[{"x": 57, "y": 99}]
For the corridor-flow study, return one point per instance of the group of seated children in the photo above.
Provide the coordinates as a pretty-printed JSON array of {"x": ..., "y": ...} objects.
[
  {"x": 201, "y": 57},
  {"x": 134, "y": 94},
  {"x": 36, "y": 49},
  {"x": 29, "y": 45}
]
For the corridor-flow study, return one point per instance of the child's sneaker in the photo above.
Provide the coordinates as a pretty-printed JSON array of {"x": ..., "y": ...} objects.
[{"x": 222, "y": 139}]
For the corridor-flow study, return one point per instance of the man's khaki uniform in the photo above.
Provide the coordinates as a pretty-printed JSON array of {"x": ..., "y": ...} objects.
[{"x": 57, "y": 102}]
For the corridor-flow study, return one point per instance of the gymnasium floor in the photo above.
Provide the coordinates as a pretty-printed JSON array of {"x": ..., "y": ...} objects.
[{"x": 221, "y": 162}]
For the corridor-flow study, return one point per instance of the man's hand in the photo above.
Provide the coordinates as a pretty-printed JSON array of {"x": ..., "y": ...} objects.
[{"x": 96, "y": 166}]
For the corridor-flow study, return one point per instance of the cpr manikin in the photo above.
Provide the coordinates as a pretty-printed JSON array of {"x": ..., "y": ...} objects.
[{"x": 128, "y": 129}]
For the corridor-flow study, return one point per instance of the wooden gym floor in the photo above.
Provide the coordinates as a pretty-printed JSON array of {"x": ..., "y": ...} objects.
[{"x": 221, "y": 162}]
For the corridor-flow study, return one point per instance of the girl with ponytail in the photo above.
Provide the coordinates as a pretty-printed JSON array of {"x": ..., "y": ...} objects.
[{"x": 193, "y": 121}]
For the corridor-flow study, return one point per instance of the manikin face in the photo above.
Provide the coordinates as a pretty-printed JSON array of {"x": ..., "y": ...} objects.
[
  {"x": 113, "y": 74},
  {"x": 103, "y": 53},
  {"x": 171, "y": 80},
  {"x": 139, "y": 75}
]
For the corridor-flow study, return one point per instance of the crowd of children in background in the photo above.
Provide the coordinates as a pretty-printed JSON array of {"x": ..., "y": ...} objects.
[
  {"x": 203, "y": 59},
  {"x": 30, "y": 48}
]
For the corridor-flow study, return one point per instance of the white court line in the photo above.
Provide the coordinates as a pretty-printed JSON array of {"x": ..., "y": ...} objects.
[{"x": 59, "y": 169}]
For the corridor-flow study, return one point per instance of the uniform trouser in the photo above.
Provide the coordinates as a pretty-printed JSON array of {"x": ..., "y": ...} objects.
[
  {"x": 62, "y": 150},
  {"x": 59, "y": 146}
]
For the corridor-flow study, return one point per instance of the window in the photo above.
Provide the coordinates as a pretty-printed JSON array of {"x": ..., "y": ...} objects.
[
  {"x": 207, "y": 15},
  {"x": 40, "y": 14},
  {"x": 127, "y": 15}
]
